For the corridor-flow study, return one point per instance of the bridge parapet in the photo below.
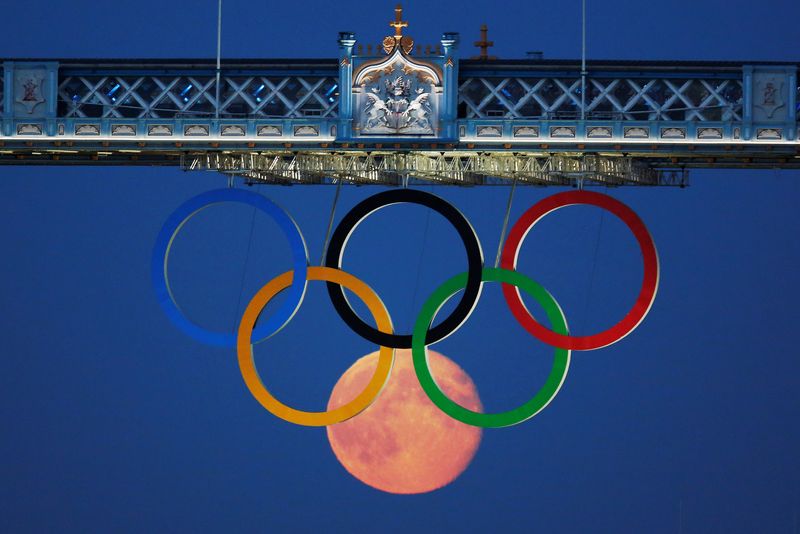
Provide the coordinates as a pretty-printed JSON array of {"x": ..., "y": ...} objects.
[
  {"x": 666, "y": 114},
  {"x": 491, "y": 101}
]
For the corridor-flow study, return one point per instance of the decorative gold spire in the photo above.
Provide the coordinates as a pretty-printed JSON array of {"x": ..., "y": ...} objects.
[
  {"x": 398, "y": 23},
  {"x": 484, "y": 44},
  {"x": 398, "y": 39}
]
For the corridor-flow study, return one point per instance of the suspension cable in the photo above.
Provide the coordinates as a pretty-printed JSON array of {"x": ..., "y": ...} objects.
[
  {"x": 421, "y": 259},
  {"x": 330, "y": 221},
  {"x": 505, "y": 223},
  {"x": 585, "y": 315},
  {"x": 583, "y": 60},
  {"x": 219, "y": 54},
  {"x": 244, "y": 270}
]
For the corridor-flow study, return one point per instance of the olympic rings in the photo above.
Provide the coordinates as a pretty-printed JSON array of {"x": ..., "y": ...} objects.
[
  {"x": 486, "y": 420},
  {"x": 360, "y": 212},
  {"x": 173, "y": 225},
  {"x": 423, "y": 333},
  {"x": 244, "y": 349},
  {"x": 649, "y": 284}
]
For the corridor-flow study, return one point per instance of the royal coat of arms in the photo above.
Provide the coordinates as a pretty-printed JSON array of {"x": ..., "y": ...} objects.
[
  {"x": 769, "y": 96},
  {"x": 397, "y": 108},
  {"x": 29, "y": 89},
  {"x": 397, "y": 95}
]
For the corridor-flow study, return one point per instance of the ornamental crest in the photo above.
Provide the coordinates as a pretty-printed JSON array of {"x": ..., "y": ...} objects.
[
  {"x": 397, "y": 108},
  {"x": 28, "y": 88},
  {"x": 768, "y": 97},
  {"x": 397, "y": 94}
]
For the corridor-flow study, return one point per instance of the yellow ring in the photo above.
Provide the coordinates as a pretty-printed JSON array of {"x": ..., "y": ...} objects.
[{"x": 244, "y": 349}]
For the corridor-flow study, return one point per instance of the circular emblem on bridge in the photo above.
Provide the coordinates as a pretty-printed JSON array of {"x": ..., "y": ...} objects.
[
  {"x": 538, "y": 402},
  {"x": 250, "y": 373},
  {"x": 472, "y": 245},
  {"x": 423, "y": 333},
  {"x": 647, "y": 292},
  {"x": 176, "y": 221}
]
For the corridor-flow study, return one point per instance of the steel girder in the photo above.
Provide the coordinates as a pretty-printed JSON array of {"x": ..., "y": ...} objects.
[
  {"x": 465, "y": 169},
  {"x": 154, "y": 96},
  {"x": 691, "y": 99}
]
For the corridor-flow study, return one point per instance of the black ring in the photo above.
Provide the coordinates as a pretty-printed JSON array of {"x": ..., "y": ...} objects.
[{"x": 361, "y": 211}]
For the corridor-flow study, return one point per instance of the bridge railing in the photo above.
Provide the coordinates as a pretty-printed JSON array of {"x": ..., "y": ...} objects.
[
  {"x": 499, "y": 104},
  {"x": 634, "y": 99},
  {"x": 195, "y": 95}
]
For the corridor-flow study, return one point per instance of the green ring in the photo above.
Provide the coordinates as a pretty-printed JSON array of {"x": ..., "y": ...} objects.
[{"x": 490, "y": 420}]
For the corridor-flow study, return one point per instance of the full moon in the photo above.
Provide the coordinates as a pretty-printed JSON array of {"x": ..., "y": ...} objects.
[{"x": 403, "y": 443}]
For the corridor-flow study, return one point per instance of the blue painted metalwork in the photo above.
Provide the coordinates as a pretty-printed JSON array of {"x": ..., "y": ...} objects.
[
  {"x": 679, "y": 113},
  {"x": 489, "y": 102},
  {"x": 346, "y": 43}
]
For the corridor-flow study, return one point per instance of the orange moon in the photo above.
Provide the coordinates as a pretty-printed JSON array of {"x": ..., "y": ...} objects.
[{"x": 403, "y": 443}]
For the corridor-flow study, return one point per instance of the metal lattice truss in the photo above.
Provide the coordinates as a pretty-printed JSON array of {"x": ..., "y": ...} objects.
[
  {"x": 446, "y": 168},
  {"x": 606, "y": 98},
  {"x": 195, "y": 96}
]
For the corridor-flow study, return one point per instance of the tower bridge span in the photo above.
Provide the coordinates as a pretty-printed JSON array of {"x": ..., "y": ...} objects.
[{"x": 390, "y": 115}]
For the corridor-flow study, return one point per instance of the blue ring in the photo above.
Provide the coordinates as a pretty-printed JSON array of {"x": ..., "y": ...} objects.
[{"x": 173, "y": 225}]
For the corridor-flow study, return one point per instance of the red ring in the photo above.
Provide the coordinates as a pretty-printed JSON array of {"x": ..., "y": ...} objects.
[{"x": 649, "y": 285}]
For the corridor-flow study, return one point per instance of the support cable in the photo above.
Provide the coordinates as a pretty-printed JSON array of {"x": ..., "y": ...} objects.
[
  {"x": 219, "y": 54},
  {"x": 330, "y": 222},
  {"x": 592, "y": 271},
  {"x": 421, "y": 258},
  {"x": 244, "y": 270},
  {"x": 583, "y": 60},
  {"x": 505, "y": 223}
]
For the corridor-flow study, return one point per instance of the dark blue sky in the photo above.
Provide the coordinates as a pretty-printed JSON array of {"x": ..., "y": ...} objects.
[{"x": 114, "y": 420}]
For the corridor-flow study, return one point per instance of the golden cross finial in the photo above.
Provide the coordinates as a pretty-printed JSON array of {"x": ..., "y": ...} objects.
[
  {"x": 398, "y": 23},
  {"x": 484, "y": 43},
  {"x": 398, "y": 40}
]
